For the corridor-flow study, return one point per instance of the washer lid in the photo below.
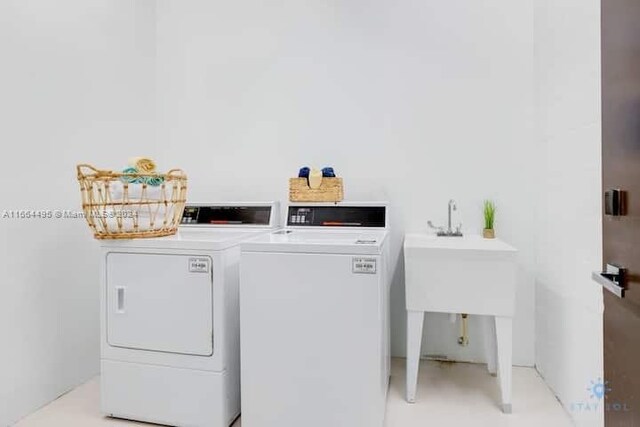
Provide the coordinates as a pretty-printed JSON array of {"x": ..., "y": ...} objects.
[
  {"x": 342, "y": 228},
  {"x": 310, "y": 241}
]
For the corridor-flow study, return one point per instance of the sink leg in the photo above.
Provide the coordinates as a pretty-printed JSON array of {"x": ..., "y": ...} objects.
[
  {"x": 490, "y": 344},
  {"x": 504, "y": 339},
  {"x": 414, "y": 340}
]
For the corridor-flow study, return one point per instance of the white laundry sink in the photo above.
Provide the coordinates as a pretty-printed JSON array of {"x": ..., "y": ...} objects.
[{"x": 467, "y": 274}]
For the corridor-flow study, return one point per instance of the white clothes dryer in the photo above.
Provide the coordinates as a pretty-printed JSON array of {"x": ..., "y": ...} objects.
[{"x": 170, "y": 350}]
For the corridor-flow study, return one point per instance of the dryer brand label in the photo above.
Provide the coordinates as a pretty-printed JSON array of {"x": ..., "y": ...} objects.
[
  {"x": 198, "y": 265},
  {"x": 364, "y": 265}
]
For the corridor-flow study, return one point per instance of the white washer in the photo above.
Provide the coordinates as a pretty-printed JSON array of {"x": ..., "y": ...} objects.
[
  {"x": 170, "y": 321},
  {"x": 314, "y": 310}
]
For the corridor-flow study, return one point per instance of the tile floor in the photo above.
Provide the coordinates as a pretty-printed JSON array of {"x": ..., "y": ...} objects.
[{"x": 449, "y": 394}]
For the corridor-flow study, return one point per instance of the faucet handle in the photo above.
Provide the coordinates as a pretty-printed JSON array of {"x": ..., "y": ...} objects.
[{"x": 430, "y": 224}]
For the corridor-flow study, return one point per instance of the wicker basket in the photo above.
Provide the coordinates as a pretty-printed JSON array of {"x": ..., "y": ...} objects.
[
  {"x": 331, "y": 190},
  {"x": 127, "y": 205}
]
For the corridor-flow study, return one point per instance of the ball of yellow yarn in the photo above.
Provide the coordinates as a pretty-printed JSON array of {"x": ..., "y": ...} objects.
[{"x": 143, "y": 164}]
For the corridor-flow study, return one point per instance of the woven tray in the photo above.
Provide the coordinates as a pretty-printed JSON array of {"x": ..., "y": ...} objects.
[{"x": 331, "y": 190}]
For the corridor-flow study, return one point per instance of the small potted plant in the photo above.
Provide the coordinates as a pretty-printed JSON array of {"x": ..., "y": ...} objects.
[{"x": 489, "y": 218}]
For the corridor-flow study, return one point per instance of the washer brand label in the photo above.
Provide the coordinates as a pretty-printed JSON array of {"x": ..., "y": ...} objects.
[
  {"x": 198, "y": 265},
  {"x": 364, "y": 265}
]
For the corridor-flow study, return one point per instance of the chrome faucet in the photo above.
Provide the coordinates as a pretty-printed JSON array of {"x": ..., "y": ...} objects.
[{"x": 449, "y": 232}]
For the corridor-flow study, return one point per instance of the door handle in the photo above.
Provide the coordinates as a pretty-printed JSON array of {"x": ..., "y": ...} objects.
[
  {"x": 612, "y": 279},
  {"x": 120, "y": 299}
]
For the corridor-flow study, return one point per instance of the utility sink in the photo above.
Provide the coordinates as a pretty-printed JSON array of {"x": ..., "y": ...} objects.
[{"x": 467, "y": 275}]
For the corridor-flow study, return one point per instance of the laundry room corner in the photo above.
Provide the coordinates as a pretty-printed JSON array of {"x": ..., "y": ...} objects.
[{"x": 75, "y": 84}]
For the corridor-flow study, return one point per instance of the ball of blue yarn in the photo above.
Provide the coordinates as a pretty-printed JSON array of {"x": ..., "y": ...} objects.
[
  {"x": 130, "y": 179},
  {"x": 154, "y": 181}
]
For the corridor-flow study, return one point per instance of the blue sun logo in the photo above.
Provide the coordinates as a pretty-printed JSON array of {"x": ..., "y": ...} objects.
[{"x": 598, "y": 389}]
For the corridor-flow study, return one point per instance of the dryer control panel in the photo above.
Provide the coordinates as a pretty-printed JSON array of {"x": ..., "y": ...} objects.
[
  {"x": 337, "y": 216},
  {"x": 227, "y": 215}
]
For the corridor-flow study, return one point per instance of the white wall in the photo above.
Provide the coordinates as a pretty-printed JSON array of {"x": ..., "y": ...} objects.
[
  {"x": 569, "y": 236},
  {"x": 412, "y": 102},
  {"x": 77, "y": 82}
]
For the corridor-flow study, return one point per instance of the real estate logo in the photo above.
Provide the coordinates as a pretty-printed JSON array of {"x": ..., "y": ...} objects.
[{"x": 598, "y": 389}]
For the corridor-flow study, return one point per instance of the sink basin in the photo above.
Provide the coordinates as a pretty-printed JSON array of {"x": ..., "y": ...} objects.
[{"x": 466, "y": 274}]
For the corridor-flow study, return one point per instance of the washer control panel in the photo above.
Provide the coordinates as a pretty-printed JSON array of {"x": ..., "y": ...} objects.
[{"x": 337, "y": 216}]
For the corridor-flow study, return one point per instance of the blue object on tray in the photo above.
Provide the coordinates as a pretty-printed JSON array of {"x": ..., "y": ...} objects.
[
  {"x": 304, "y": 172},
  {"x": 328, "y": 173}
]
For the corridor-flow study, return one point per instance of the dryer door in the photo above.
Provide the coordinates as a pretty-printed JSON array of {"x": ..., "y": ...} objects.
[{"x": 160, "y": 302}]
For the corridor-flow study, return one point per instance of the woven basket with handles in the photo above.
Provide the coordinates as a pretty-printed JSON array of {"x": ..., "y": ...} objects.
[{"x": 121, "y": 205}]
